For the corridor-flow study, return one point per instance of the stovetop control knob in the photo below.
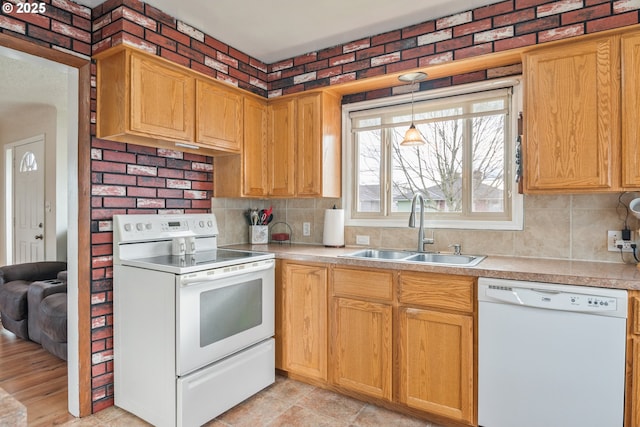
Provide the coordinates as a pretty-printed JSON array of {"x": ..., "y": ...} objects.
[
  {"x": 149, "y": 226},
  {"x": 140, "y": 226},
  {"x": 127, "y": 227},
  {"x": 201, "y": 224},
  {"x": 210, "y": 224}
]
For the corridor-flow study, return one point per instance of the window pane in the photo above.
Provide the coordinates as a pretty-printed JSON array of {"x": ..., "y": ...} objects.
[
  {"x": 434, "y": 169},
  {"x": 488, "y": 164},
  {"x": 369, "y": 149}
]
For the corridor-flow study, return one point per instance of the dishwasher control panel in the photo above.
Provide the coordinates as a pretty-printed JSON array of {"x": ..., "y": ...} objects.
[{"x": 609, "y": 302}]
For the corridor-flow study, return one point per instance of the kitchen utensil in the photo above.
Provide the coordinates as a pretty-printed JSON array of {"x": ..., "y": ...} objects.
[{"x": 254, "y": 217}]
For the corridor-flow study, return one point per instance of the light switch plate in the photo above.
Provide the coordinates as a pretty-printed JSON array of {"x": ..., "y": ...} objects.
[{"x": 362, "y": 240}]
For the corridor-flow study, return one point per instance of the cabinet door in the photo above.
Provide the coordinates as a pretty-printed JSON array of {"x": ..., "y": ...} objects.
[
  {"x": 631, "y": 110},
  {"x": 361, "y": 347},
  {"x": 219, "y": 118},
  {"x": 309, "y": 155},
  {"x": 436, "y": 363},
  {"x": 281, "y": 148},
  {"x": 304, "y": 325},
  {"x": 162, "y": 100},
  {"x": 572, "y": 131},
  {"x": 254, "y": 154}
]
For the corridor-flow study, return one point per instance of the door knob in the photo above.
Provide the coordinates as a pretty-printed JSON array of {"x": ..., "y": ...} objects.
[{"x": 39, "y": 237}]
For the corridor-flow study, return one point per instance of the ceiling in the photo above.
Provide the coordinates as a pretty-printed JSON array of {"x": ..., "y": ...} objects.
[{"x": 280, "y": 29}]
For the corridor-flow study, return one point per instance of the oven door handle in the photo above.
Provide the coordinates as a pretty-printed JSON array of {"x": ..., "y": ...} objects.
[{"x": 224, "y": 272}]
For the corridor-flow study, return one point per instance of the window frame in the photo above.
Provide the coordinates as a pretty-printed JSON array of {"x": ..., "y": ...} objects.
[{"x": 350, "y": 187}]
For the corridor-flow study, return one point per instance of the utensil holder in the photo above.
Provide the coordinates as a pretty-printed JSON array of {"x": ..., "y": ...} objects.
[{"x": 258, "y": 234}]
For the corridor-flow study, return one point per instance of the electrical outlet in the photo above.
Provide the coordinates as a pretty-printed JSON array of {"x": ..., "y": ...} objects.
[
  {"x": 362, "y": 240},
  {"x": 614, "y": 238},
  {"x": 306, "y": 229}
]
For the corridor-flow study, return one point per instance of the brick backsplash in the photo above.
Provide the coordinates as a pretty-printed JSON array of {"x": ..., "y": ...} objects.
[{"x": 129, "y": 179}]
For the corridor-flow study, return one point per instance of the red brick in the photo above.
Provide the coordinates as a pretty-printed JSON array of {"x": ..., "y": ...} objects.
[
  {"x": 304, "y": 59},
  {"x": 109, "y": 178},
  {"x": 80, "y": 47},
  {"x": 342, "y": 59},
  {"x": 402, "y": 66},
  {"x": 201, "y": 185},
  {"x": 171, "y": 193},
  {"x": 190, "y": 53},
  {"x": 112, "y": 28},
  {"x": 141, "y": 149},
  {"x": 521, "y": 4},
  {"x": 356, "y": 66},
  {"x": 207, "y": 71},
  {"x": 615, "y": 21},
  {"x": 178, "y": 204},
  {"x": 174, "y": 57},
  {"x": 49, "y": 37},
  {"x": 472, "y": 27},
  {"x": 419, "y": 51},
  {"x": 98, "y": 238},
  {"x": 160, "y": 40},
  {"x": 316, "y": 65},
  {"x": 371, "y": 72},
  {"x": 370, "y": 52},
  {"x": 150, "y": 203},
  {"x": 514, "y": 18},
  {"x": 493, "y": 10},
  {"x": 96, "y": 202},
  {"x": 385, "y": 38},
  {"x": 98, "y": 273},
  {"x": 204, "y": 48},
  {"x": 477, "y": 76},
  {"x": 237, "y": 74},
  {"x": 588, "y": 3},
  {"x": 109, "y": 145},
  {"x": 33, "y": 18},
  {"x": 401, "y": 45},
  {"x": 515, "y": 42},
  {"x": 147, "y": 181},
  {"x": 202, "y": 205},
  {"x": 72, "y": 7},
  {"x": 175, "y": 35},
  {"x": 192, "y": 157},
  {"x": 329, "y": 72},
  {"x": 196, "y": 176},
  {"x": 118, "y": 156},
  {"x": 97, "y": 250},
  {"x": 417, "y": 30},
  {"x": 102, "y": 380},
  {"x": 356, "y": 45},
  {"x": 134, "y": 4},
  {"x": 101, "y": 166},
  {"x": 330, "y": 52},
  {"x": 454, "y": 44},
  {"x": 537, "y": 25},
  {"x": 142, "y": 192},
  {"x": 471, "y": 51},
  {"x": 118, "y": 202},
  {"x": 439, "y": 58},
  {"x": 216, "y": 44},
  {"x": 240, "y": 56}
]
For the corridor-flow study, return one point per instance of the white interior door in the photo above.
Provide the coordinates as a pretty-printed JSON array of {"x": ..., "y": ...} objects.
[{"x": 28, "y": 201}]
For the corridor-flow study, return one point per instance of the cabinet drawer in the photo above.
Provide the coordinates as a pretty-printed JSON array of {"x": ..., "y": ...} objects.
[
  {"x": 362, "y": 283},
  {"x": 437, "y": 290}
]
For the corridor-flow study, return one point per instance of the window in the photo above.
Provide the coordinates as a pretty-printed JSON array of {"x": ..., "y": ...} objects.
[{"x": 464, "y": 171}]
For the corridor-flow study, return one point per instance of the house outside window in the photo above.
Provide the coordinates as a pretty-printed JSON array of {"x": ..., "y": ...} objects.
[{"x": 465, "y": 171}]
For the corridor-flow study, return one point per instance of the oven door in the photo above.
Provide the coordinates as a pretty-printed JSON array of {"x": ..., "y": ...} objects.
[{"x": 222, "y": 311}]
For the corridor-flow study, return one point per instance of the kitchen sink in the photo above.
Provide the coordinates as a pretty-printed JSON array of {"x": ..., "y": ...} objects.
[
  {"x": 380, "y": 254},
  {"x": 417, "y": 257},
  {"x": 449, "y": 259}
]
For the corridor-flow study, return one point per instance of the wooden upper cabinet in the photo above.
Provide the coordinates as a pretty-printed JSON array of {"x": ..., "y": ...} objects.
[
  {"x": 142, "y": 99},
  {"x": 572, "y": 110},
  {"x": 631, "y": 110},
  {"x": 219, "y": 116},
  {"x": 318, "y": 164},
  {"x": 281, "y": 148},
  {"x": 146, "y": 100},
  {"x": 254, "y": 154},
  {"x": 161, "y": 99}
]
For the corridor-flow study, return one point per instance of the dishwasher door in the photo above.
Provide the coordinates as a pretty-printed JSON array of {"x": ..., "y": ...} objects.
[{"x": 550, "y": 355}]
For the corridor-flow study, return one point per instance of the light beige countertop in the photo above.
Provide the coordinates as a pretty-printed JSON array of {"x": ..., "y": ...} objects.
[{"x": 585, "y": 273}]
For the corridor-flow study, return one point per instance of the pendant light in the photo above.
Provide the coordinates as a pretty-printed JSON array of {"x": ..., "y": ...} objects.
[{"x": 413, "y": 135}]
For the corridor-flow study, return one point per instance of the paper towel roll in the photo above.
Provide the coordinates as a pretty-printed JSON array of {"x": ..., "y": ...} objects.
[{"x": 333, "y": 228}]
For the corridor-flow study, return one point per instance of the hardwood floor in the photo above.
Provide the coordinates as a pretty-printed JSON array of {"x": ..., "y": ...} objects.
[{"x": 34, "y": 377}]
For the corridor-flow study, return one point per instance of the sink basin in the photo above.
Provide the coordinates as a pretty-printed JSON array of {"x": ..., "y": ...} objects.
[
  {"x": 448, "y": 259},
  {"x": 418, "y": 257},
  {"x": 380, "y": 254}
]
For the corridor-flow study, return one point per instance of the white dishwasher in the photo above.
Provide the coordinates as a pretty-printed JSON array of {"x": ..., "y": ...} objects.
[{"x": 550, "y": 355}]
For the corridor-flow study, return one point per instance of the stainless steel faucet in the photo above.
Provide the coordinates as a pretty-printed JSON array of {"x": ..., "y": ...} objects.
[{"x": 412, "y": 222}]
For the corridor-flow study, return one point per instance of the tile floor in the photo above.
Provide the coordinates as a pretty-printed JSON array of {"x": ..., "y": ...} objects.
[{"x": 286, "y": 403}]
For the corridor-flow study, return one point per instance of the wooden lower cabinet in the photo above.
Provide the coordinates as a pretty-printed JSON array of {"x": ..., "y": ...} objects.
[
  {"x": 304, "y": 319},
  {"x": 361, "y": 347},
  {"x": 436, "y": 362}
]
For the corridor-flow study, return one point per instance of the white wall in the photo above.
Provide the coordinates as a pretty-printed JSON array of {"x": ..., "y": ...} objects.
[{"x": 24, "y": 122}]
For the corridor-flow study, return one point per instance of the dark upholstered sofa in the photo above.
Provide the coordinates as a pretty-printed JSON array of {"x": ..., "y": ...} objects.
[{"x": 23, "y": 289}]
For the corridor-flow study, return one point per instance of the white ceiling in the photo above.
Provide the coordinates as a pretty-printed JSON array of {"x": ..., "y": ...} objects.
[{"x": 280, "y": 29}]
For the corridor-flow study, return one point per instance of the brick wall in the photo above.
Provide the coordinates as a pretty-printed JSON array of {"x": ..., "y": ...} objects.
[
  {"x": 498, "y": 27},
  {"x": 143, "y": 26},
  {"x": 128, "y": 178}
]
